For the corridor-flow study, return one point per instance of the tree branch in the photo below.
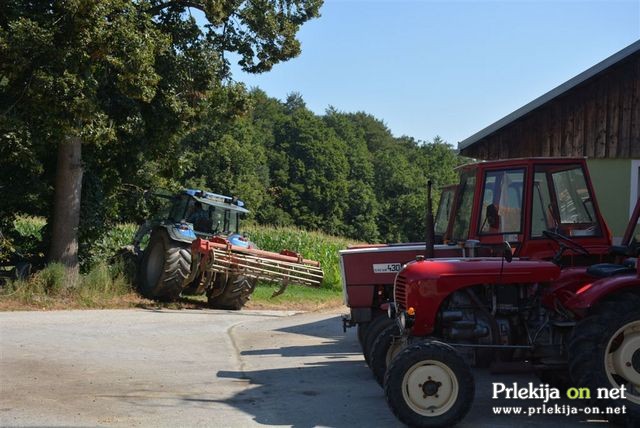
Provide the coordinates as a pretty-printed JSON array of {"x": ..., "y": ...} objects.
[{"x": 184, "y": 3}]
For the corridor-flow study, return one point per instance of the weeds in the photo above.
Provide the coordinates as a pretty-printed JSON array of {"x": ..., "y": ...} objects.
[{"x": 100, "y": 287}]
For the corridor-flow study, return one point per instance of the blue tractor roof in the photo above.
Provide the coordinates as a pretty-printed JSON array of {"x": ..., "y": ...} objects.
[{"x": 216, "y": 199}]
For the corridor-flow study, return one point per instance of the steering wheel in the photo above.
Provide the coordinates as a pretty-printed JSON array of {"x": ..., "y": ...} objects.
[{"x": 569, "y": 243}]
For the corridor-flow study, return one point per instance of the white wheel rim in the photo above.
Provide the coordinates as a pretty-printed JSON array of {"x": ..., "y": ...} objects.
[
  {"x": 420, "y": 382},
  {"x": 622, "y": 359}
]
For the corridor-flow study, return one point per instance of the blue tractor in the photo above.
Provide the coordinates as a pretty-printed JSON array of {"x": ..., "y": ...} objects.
[{"x": 165, "y": 263}]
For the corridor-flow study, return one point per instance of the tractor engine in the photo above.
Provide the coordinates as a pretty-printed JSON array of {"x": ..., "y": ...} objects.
[{"x": 492, "y": 315}]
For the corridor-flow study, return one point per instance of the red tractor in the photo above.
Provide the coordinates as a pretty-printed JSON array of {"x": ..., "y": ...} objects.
[{"x": 520, "y": 279}]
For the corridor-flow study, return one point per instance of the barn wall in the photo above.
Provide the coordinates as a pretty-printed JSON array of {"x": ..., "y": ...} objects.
[
  {"x": 611, "y": 180},
  {"x": 599, "y": 118}
]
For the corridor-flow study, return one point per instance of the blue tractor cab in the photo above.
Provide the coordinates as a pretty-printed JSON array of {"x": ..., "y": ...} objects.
[
  {"x": 197, "y": 213},
  {"x": 193, "y": 213}
]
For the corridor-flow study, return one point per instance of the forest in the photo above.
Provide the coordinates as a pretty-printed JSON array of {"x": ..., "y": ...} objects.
[{"x": 101, "y": 101}]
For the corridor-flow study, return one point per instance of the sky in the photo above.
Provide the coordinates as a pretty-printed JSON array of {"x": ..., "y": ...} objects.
[{"x": 447, "y": 68}]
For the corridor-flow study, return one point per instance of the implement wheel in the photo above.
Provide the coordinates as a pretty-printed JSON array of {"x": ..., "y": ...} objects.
[{"x": 237, "y": 291}]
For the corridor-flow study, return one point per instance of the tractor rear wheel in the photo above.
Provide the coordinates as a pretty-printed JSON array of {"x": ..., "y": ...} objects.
[
  {"x": 165, "y": 266},
  {"x": 237, "y": 291},
  {"x": 429, "y": 385},
  {"x": 604, "y": 352}
]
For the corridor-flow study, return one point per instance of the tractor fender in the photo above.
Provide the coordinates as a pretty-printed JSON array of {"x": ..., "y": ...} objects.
[
  {"x": 423, "y": 285},
  {"x": 176, "y": 234},
  {"x": 593, "y": 292}
]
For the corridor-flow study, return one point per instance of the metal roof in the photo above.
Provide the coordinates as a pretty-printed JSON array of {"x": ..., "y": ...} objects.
[{"x": 559, "y": 90}]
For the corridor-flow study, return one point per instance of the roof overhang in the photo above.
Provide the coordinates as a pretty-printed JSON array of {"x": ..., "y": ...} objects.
[{"x": 522, "y": 111}]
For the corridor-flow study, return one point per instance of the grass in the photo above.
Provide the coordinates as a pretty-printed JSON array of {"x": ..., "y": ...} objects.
[
  {"x": 295, "y": 297},
  {"x": 102, "y": 286}
]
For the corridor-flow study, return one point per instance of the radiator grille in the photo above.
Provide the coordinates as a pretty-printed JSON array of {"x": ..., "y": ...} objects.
[{"x": 400, "y": 292}]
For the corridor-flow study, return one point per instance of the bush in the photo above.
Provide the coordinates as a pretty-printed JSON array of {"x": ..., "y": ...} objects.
[
  {"x": 104, "y": 249},
  {"x": 23, "y": 237}
]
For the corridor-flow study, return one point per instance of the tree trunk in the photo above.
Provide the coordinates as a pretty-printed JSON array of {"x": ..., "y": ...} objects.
[{"x": 66, "y": 211}]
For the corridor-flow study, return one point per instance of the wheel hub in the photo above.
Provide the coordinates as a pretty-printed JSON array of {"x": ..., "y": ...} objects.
[
  {"x": 431, "y": 387},
  {"x": 635, "y": 361}
]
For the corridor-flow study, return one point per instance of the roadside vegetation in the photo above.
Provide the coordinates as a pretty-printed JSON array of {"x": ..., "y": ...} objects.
[
  {"x": 104, "y": 101},
  {"x": 105, "y": 281}
]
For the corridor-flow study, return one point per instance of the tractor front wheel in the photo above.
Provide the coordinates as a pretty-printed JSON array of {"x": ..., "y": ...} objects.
[
  {"x": 376, "y": 327},
  {"x": 429, "y": 385},
  {"x": 604, "y": 352},
  {"x": 384, "y": 349},
  {"x": 165, "y": 266}
]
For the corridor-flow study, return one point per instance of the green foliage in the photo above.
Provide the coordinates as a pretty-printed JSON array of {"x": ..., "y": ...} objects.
[
  {"x": 29, "y": 226},
  {"x": 147, "y": 90},
  {"x": 131, "y": 80},
  {"x": 104, "y": 249},
  {"x": 22, "y": 237}
]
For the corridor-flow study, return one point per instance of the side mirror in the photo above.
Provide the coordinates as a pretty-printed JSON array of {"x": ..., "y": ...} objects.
[{"x": 507, "y": 253}]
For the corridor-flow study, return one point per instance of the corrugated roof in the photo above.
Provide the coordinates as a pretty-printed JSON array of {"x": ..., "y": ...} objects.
[{"x": 559, "y": 90}]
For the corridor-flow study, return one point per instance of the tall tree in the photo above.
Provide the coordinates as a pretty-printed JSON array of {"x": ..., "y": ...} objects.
[{"x": 82, "y": 72}]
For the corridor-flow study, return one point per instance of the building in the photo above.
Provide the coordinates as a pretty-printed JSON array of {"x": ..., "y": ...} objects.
[{"x": 596, "y": 115}]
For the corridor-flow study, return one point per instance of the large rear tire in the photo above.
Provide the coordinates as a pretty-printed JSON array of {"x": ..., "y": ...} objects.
[
  {"x": 604, "y": 352},
  {"x": 165, "y": 266},
  {"x": 429, "y": 385},
  {"x": 237, "y": 291}
]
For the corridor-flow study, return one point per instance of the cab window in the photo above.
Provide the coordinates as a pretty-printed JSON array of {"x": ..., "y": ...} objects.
[
  {"x": 444, "y": 209},
  {"x": 178, "y": 209},
  {"x": 460, "y": 230},
  {"x": 502, "y": 202},
  {"x": 562, "y": 202}
]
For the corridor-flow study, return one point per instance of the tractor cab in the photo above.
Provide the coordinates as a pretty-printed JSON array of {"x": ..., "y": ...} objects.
[
  {"x": 192, "y": 214},
  {"x": 208, "y": 213},
  {"x": 200, "y": 214},
  {"x": 544, "y": 208}
]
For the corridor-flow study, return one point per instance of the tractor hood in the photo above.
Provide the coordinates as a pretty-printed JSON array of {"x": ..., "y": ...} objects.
[
  {"x": 424, "y": 284},
  {"x": 481, "y": 270}
]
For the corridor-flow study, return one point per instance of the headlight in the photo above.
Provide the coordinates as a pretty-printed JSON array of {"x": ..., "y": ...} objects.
[
  {"x": 407, "y": 318},
  {"x": 392, "y": 310}
]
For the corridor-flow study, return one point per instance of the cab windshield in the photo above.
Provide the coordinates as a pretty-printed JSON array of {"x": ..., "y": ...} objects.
[{"x": 562, "y": 202}]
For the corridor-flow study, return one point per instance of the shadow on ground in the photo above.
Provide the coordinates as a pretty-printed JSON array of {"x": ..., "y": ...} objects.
[{"x": 335, "y": 388}]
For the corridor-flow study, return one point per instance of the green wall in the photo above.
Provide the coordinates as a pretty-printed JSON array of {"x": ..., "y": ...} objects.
[{"x": 611, "y": 179}]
